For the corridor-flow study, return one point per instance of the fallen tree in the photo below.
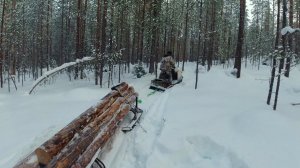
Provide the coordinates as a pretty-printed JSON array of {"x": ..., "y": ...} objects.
[{"x": 56, "y": 70}]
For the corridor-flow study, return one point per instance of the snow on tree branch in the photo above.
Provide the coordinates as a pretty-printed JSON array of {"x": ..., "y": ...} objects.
[
  {"x": 288, "y": 29},
  {"x": 58, "y": 69}
]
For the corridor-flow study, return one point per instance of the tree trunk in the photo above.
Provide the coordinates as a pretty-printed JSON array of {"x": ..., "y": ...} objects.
[
  {"x": 48, "y": 41},
  {"x": 103, "y": 40},
  {"x": 281, "y": 63},
  {"x": 199, "y": 42},
  {"x": 154, "y": 43},
  {"x": 98, "y": 44},
  {"x": 78, "y": 34},
  {"x": 239, "y": 47},
  {"x": 185, "y": 34},
  {"x": 1, "y": 42},
  {"x": 211, "y": 49},
  {"x": 166, "y": 27},
  {"x": 62, "y": 38},
  {"x": 290, "y": 38},
  {"x": 274, "y": 56},
  {"x": 141, "y": 48},
  {"x": 204, "y": 57}
]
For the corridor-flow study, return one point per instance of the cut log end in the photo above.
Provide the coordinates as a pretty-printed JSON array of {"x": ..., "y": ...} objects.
[{"x": 43, "y": 157}]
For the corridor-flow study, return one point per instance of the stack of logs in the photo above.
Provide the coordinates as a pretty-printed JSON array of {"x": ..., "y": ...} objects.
[{"x": 77, "y": 143}]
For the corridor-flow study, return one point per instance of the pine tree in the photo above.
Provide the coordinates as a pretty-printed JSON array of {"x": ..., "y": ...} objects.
[{"x": 239, "y": 47}]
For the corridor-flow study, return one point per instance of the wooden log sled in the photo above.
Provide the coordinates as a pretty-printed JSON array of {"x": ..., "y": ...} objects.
[
  {"x": 50, "y": 148},
  {"x": 77, "y": 143},
  {"x": 104, "y": 137}
]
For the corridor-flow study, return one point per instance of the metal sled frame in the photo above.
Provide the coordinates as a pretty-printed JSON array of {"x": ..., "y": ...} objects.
[
  {"x": 137, "y": 115},
  {"x": 99, "y": 163}
]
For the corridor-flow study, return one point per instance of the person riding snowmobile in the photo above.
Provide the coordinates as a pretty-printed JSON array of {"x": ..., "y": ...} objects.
[{"x": 167, "y": 67}]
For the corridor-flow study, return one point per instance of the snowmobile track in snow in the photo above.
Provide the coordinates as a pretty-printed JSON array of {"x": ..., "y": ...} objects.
[{"x": 152, "y": 122}]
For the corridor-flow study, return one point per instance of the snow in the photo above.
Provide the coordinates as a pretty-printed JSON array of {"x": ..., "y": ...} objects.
[
  {"x": 224, "y": 123},
  {"x": 288, "y": 29}
]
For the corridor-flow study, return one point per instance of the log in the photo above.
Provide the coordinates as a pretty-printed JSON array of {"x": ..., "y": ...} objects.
[
  {"x": 124, "y": 91},
  {"x": 83, "y": 130},
  {"x": 29, "y": 162},
  {"x": 111, "y": 94},
  {"x": 128, "y": 93},
  {"x": 57, "y": 70},
  {"x": 46, "y": 152},
  {"x": 120, "y": 87},
  {"x": 78, "y": 145},
  {"x": 101, "y": 139},
  {"x": 107, "y": 116},
  {"x": 54, "y": 145},
  {"x": 132, "y": 99}
]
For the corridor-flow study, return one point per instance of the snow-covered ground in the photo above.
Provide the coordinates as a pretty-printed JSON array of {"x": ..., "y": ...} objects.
[{"x": 224, "y": 123}]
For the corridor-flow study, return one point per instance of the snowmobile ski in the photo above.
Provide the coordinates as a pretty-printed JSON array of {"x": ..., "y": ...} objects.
[
  {"x": 137, "y": 115},
  {"x": 157, "y": 88},
  {"x": 161, "y": 85}
]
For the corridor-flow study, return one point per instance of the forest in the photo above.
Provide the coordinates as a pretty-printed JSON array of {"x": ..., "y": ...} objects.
[
  {"x": 36, "y": 36},
  {"x": 80, "y": 83}
]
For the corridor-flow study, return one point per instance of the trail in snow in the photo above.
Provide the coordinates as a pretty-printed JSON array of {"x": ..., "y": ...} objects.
[
  {"x": 141, "y": 141},
  {"x": 195, "y": 151},
  {"x": 153, "y": 123},
  {"x": 225, "y": 123},
  {"x": 145, "y": 148}
]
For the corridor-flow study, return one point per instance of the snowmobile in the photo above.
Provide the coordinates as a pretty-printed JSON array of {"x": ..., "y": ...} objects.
[{"x": 164, "y": 82}]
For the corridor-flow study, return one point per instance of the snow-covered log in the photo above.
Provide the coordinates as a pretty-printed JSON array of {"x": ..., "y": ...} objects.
[
  {"x": 289, "y": 29},
  {"x": 57, "y": 70}
]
